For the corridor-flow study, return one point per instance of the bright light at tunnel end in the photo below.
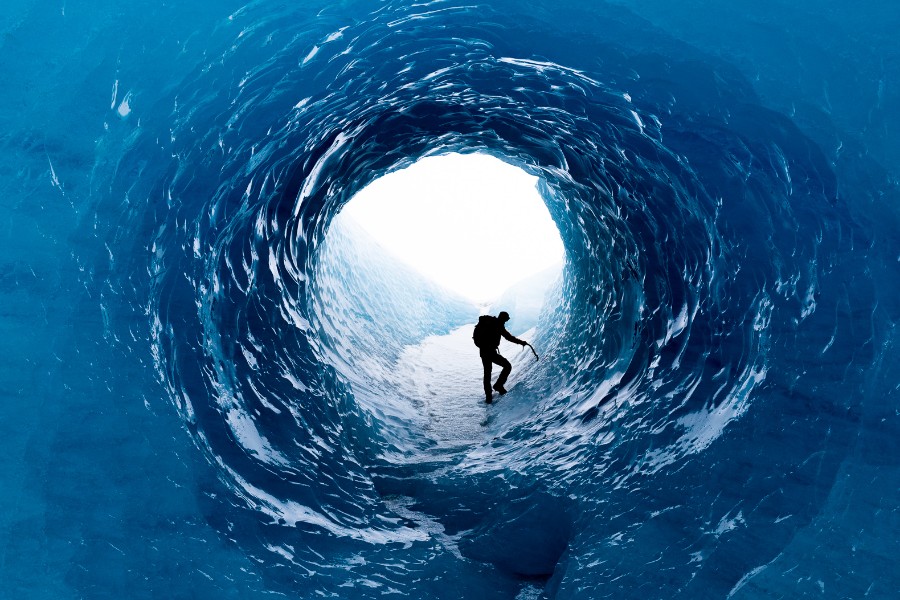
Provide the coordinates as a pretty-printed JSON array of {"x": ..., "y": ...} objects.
[{"x": 471, "y": 222}]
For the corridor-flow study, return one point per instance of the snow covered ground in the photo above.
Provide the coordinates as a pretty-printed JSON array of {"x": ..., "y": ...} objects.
[{"x": 442, "y": 377}]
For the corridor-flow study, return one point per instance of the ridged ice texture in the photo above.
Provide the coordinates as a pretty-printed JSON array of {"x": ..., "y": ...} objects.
[{"x": 216, "y": 390}]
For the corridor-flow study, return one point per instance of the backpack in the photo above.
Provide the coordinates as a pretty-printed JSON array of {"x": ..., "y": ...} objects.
[{"x": 484, "y": 331}]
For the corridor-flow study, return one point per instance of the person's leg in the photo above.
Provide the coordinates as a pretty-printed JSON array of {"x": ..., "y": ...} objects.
[
  {"x": 507, "y": 369},
  {"x": 486, "y": 362}
]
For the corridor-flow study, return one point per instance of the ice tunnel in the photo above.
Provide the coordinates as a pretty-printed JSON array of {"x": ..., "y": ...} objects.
[{"x": 213, "y": 387}]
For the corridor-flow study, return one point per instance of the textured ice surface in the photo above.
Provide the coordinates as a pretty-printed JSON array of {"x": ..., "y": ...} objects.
[{"x": 212, "y": 389}]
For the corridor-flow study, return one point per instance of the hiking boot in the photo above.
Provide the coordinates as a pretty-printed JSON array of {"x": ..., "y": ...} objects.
[
  {"x": 488, "y": 400},
  {"x": 500, "y": 388}
]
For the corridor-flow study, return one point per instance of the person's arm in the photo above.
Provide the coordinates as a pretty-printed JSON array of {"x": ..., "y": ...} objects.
[{"x": 512, "y": 338}]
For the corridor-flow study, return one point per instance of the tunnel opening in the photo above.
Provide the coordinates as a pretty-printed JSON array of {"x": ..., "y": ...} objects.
[{"x": 405, "y": 269}]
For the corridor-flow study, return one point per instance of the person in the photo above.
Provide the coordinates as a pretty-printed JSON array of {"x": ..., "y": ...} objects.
[{"x": 487, "y": 337}]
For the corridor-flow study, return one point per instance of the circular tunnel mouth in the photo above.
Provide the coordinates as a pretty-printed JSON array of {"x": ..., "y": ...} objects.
[{"x": 608, "y": 185}]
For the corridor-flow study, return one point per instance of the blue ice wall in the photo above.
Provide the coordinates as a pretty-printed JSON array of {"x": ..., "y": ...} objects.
[{"x": 206, "y": 383}]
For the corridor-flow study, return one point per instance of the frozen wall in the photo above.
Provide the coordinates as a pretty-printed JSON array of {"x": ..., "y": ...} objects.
[{"x": 201, "y": 399}]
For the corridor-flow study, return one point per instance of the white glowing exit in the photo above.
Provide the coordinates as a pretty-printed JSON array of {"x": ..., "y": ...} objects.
[{"x": 472, "y": 223}]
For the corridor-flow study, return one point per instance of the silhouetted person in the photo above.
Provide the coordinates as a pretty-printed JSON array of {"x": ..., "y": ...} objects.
[{"x": 487, "y": 338}]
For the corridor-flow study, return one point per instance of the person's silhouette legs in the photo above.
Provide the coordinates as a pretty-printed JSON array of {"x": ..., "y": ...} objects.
[{"x": 489, "y": 357}]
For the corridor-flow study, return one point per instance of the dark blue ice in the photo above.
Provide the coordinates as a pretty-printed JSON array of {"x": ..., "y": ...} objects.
[{"x": 211, "y": 388}]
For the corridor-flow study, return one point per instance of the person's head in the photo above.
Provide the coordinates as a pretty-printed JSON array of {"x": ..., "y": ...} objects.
[{"x": 503, "y": 316}]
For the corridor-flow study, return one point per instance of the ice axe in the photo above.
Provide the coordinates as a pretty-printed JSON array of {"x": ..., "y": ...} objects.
[{"x": 536, "y": 357}]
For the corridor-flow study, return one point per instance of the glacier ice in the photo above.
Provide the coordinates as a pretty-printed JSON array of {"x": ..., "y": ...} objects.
[{"x": 214, "y": 389}]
